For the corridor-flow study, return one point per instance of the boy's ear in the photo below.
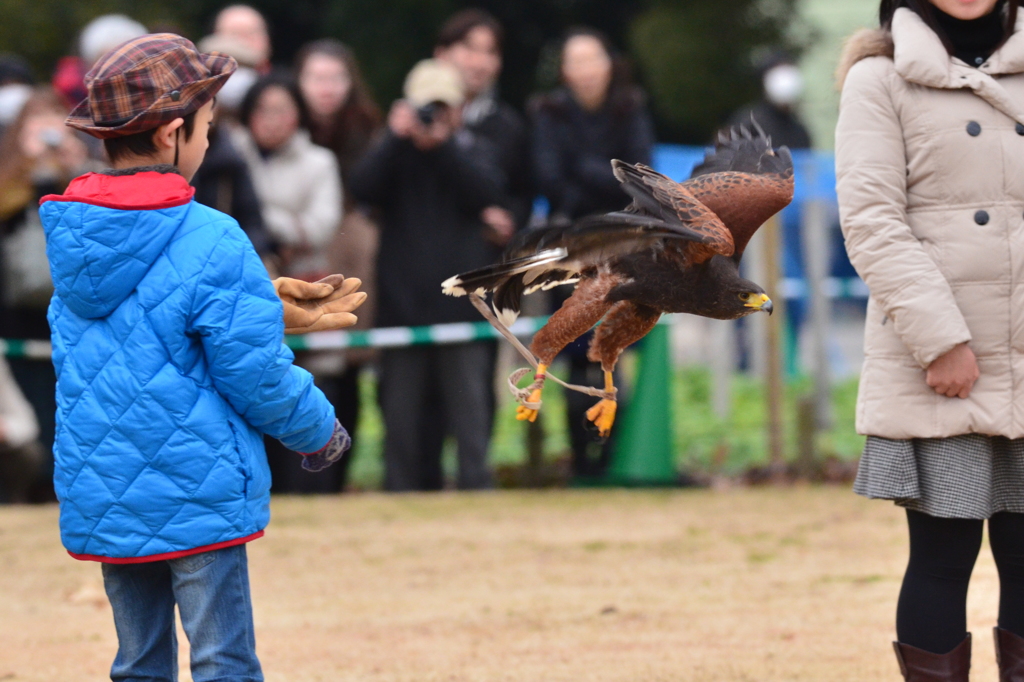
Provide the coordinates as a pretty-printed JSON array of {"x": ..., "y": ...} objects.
[{"x": 164, "y": 136}]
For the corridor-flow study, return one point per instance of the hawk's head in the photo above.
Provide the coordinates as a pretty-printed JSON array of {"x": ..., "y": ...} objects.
[
  {"x": 756, "y": 301},
  {"x": 748, "y": 299},
  {"x": 726, "y": 295}
]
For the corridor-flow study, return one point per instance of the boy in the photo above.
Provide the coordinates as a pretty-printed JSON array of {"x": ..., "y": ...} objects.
[{"x": 167, "y": 345}]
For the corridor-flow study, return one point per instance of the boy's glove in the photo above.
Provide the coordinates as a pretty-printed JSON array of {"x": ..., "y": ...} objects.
[
  {"x": 330, "y": 453},
  {"x": 319, "y": 306}
]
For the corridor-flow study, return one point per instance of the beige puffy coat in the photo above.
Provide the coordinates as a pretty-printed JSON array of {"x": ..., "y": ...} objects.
[
  {"x": 930, "y": 170},
  {"x": 300, "y": 191}
]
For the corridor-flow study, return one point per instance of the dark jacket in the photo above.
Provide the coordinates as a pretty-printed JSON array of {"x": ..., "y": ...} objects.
[
  {"x": 499, "y": 125},
  {"x": 223, "y": 182},
  {"x": 782, "y": 126},
  {"x": 572, "y": 149},
  {"x": 430, "y": 204}
]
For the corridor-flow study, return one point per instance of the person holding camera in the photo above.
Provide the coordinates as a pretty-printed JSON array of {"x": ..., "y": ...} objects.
[
  {"x": 38, "y": 156},
  {"x": 471, "y": 40},
  {"x": 430, "y": 181}
]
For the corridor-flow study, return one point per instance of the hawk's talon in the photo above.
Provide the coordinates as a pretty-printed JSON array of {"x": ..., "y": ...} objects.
[
  {"x": 524, "y": 413},
  {"x": 603, "y": 416}
]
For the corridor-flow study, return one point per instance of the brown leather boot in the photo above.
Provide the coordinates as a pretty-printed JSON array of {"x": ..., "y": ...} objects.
[
  {"x": 918, "y": 665},
  {"x": 1009, "y": 655}
]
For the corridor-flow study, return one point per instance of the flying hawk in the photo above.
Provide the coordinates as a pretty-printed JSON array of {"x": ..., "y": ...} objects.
[{"x": 675, "y": 249}]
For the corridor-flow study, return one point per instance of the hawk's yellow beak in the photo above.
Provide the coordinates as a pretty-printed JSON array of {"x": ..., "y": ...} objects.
[{"x": 761, "y": 302}]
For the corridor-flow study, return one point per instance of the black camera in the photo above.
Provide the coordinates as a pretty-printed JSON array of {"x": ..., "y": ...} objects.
[{"x": 428, "y": 112}]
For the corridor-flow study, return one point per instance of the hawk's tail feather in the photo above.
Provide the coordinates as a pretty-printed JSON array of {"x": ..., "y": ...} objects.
[
  {"x": 505, "y": 280},
  {"x": 508, "y": 299}
]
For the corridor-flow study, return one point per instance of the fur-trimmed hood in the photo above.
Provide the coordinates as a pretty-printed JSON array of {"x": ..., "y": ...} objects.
[
  {"x": 867, "y": 42},
  {"x": 918, "y": 56}
]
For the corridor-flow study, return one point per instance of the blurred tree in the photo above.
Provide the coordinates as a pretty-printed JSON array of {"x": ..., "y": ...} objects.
[
  {"x": 694, "y": 56},
  {"x": 408, "y": 29},
  {"x": 43, "y": 31},
  {"x": 697, "y": 58}
]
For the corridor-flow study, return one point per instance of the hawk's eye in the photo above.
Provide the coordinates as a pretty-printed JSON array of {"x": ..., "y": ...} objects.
[{"x": 745, "y": 297}]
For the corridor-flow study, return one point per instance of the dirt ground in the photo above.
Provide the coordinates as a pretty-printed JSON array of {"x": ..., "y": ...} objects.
[{"x": 744, "y": 584}]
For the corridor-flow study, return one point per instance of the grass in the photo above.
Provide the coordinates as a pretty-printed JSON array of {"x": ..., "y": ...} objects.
[{"x": 705, "y": 443}]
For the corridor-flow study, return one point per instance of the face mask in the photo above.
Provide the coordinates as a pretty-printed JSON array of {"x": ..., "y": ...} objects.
[
  {"x": 12, "y": 99},
  {"x": 783, "y": 85},
  {"x": 237, "y": 85}
]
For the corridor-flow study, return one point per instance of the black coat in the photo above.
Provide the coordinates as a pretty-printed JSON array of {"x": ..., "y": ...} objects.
[
  {"x": 430, "y": 227},
  {"x": 223, "y": 182},
  {"x": 573, "y": 148},
  {"x": 499, "y": 125}
]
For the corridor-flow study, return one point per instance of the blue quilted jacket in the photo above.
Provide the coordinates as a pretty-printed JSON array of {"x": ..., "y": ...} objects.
[{"x": 167, "y": 342}]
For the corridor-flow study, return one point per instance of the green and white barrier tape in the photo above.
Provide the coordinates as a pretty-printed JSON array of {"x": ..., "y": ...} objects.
[
  {"x": 33, "y": 350},
  {"x": 398, "y": 337},
  {"x": 384, "y": 337},
  {"x": 436, "y": 334}
]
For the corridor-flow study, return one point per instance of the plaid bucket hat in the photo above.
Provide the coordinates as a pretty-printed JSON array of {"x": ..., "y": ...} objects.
[{"x": 146, "y": 82}]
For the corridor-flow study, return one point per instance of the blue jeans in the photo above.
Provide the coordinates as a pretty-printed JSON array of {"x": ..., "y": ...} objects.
[{"x": 212, "y": 593}]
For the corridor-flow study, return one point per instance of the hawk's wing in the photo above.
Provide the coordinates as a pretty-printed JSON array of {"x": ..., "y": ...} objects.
[
  {"x": 555, "y": 254},
  {"x": 597, "y": 239},
  {"x": 662, "y": 200},
  {"x": 744, "y": 181}
]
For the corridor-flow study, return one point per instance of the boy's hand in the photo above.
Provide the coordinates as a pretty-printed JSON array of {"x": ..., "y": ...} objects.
[
  {"x": 330, "y": 453},
  {"x": 319, "y": 306}
]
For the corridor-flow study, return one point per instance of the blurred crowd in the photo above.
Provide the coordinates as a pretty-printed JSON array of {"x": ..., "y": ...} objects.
[{"x": 324, "y": 179}]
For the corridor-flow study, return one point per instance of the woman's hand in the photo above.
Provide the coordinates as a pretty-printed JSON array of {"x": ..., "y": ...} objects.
[
  {"x": 953, "y": 374},
  {"x": 319, "y": 306}
]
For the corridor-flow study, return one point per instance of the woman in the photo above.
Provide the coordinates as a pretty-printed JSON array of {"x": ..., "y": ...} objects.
[
  {"x": 596, "y": 116},
  {"x": 342, "y": 115},
  {"x": 299, "y": 189},
  {"x": 297, "y": 181},
  {"x": 39, "y": 155},
  {"x": 344, "y": 118},
  {"x": 930, "y": 157}
]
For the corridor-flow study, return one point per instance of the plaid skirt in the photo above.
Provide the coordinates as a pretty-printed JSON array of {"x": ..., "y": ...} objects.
[{"x": 964, "y": 477}]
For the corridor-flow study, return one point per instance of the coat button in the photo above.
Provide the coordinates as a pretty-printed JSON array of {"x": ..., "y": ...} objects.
[
  {"x": 981, "y": 217},
  {"x": 1020, "y": 128},
  {"x": 974, "y": 129}
]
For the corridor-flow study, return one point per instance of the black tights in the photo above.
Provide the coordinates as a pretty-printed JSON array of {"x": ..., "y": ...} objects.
[{"x": 932, "y": 610}]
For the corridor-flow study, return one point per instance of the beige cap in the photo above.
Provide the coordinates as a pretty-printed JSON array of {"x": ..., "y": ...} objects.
[{"x": 431, "y": 81}]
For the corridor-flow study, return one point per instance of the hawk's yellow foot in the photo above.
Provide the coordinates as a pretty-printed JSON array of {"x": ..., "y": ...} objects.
[
  {"x": 524, "y": 413},
  {"x": 603, "y": 416},
  {"x": 603, "y": 413}
]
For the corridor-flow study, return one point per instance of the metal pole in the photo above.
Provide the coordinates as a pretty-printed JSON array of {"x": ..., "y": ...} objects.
[
  {"x": 774, "y": 385},
  {"x": 723, "y": 364},
  {"x": 817, "y": 256},
  {"x": 756, "y": 333}
]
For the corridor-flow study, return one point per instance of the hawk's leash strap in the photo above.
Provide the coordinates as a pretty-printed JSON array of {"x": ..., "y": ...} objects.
[{"x": 522, "y": 394}]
